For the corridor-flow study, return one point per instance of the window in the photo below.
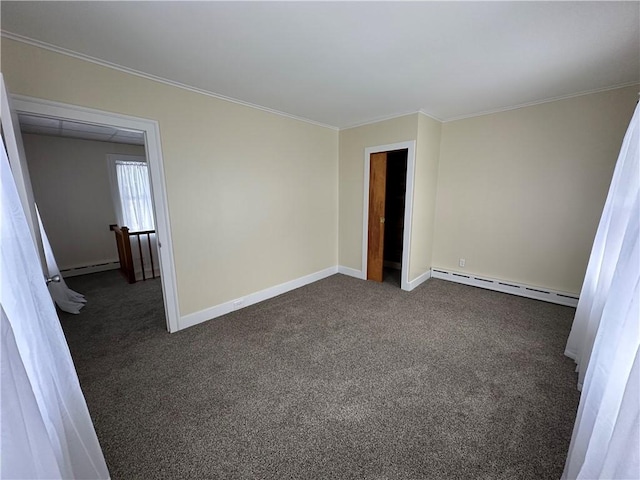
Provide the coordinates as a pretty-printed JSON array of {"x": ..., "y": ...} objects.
[{"x": 132, "y": 192}]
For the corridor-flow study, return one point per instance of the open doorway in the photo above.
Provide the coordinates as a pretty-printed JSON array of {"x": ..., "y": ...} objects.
[
  {"x": 394, "y": 214},
  {"x": 389, "y": 171},
  {"x": 149, "y": 131},
  {"x": 91, "y": 183},
  {"x": 73, "y": 187},
  {"x": 387, "y": 193}
]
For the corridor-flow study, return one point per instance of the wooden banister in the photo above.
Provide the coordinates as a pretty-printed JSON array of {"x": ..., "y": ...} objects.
[
  {"x": 124, "y": 253},
  {"x": 123, "y": 242}
]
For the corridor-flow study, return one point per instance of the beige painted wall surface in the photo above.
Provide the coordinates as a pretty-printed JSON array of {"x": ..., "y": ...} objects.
[
  {"x": 353, "y": 142},
  {"x": 252, "y": 195},
  {"x": 424, "y": 195},
  {"x": 520, "y": 193},
  {"x": 71, "y": 186}
]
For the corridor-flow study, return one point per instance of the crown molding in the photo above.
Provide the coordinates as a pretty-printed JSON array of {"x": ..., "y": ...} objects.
[
  {"x": 131, "y": 71},
  {"x": 422, "y": 112},
  {"x": 154, "y": 78},
  {"x": 379, "y": 119},
  {"x": 540, "y": 102},
  {"x": 391, "y": 117}
]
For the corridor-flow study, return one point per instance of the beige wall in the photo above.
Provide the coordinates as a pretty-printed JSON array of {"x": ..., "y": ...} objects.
[
  {"x": 520, "y": 193},
  {"x": 252, "y": 195},
  {"x": 353, "y": 142},
  {"x": 424, "y": 195},
  {"x": 70, "y": 183},
  {"x": 257, "y": 199}
]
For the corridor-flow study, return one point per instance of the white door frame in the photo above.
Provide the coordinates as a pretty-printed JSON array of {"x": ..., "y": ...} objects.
[
  {"x": 410, "y": 146},
  {"x": 153, "y": 150},
  {"x": 18, "y": 163}
]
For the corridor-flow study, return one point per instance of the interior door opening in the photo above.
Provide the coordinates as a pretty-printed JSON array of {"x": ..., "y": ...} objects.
[
  {"x": 70, "y": 165},
  {"x": 126, "y": 125},
  {"x": 394, "y": 209},
  {"x": 387, "y": 199}
]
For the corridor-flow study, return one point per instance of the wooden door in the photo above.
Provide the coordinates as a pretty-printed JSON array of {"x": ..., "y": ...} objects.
[{"x": 377, "y": 195}]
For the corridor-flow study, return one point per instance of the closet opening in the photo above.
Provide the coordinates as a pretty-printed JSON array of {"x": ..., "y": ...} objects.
[{"x": 387, "y": 208}]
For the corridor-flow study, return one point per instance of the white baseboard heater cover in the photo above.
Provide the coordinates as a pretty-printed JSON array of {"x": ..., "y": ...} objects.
[
  {"x": 537, "y": 293},
  {"x": 86, "y": 269}
]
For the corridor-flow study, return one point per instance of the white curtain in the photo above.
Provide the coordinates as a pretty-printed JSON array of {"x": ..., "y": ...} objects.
[
  {"x": 605, "y": 335},
  {"x": 67, "y": 300},
  {"x": 134, "y": 199},
  {"x": 45, "y": 427},
  {"x": 135, "y": 195}
]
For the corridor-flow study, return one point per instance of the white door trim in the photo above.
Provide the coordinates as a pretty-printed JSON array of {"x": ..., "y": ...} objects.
[
  {"x": 19, "y": 169},
  {"x": 153, "y": 149},
  {"x": 410, "y": 146}
]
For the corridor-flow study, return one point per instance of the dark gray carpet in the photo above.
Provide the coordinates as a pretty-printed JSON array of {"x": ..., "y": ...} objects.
[{"x": 339, "y": 379}]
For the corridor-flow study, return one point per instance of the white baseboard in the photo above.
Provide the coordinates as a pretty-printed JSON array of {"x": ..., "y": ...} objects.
[
  {"x": 571, "y": 354},
  {"x": 256, "y": 297},
  {"x": 87, "y": 269},
  {"x": 417, "y": 281},
  {"x": 514, "y": 288},
  {"x": 352, "y": 272}
]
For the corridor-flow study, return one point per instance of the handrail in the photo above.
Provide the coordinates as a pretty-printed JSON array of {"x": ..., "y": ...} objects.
[
  {"x": 123, "y": 242},
  {"x": 148, "y": 234}
]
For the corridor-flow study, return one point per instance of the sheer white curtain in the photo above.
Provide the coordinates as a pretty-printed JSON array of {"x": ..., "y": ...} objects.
[
  {"x": 605, "y": 336},
  {"x": 45, "y": 427},
  {"x": 67, "y": 300},
  {"x": 134, "y": 206},
  {"x": 135, "y": 195}
]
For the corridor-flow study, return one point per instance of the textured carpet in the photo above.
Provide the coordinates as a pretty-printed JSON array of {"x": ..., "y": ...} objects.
[{"x": 339, "y": 379}]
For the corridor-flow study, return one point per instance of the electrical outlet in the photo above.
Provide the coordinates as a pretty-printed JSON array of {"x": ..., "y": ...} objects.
[
  {"x": 462, "y": 262},
  {"x": 238, "y": 304}
]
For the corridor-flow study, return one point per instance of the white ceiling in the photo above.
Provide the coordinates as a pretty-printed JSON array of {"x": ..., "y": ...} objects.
[
  {"x": 347, "y": 63},
  {"x": 66, "y": 128}
]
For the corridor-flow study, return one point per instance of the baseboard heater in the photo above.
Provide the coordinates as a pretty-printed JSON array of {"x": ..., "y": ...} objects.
[
  {"x": 86, "y": 269},
  {"x": 514, "y": 288}
]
